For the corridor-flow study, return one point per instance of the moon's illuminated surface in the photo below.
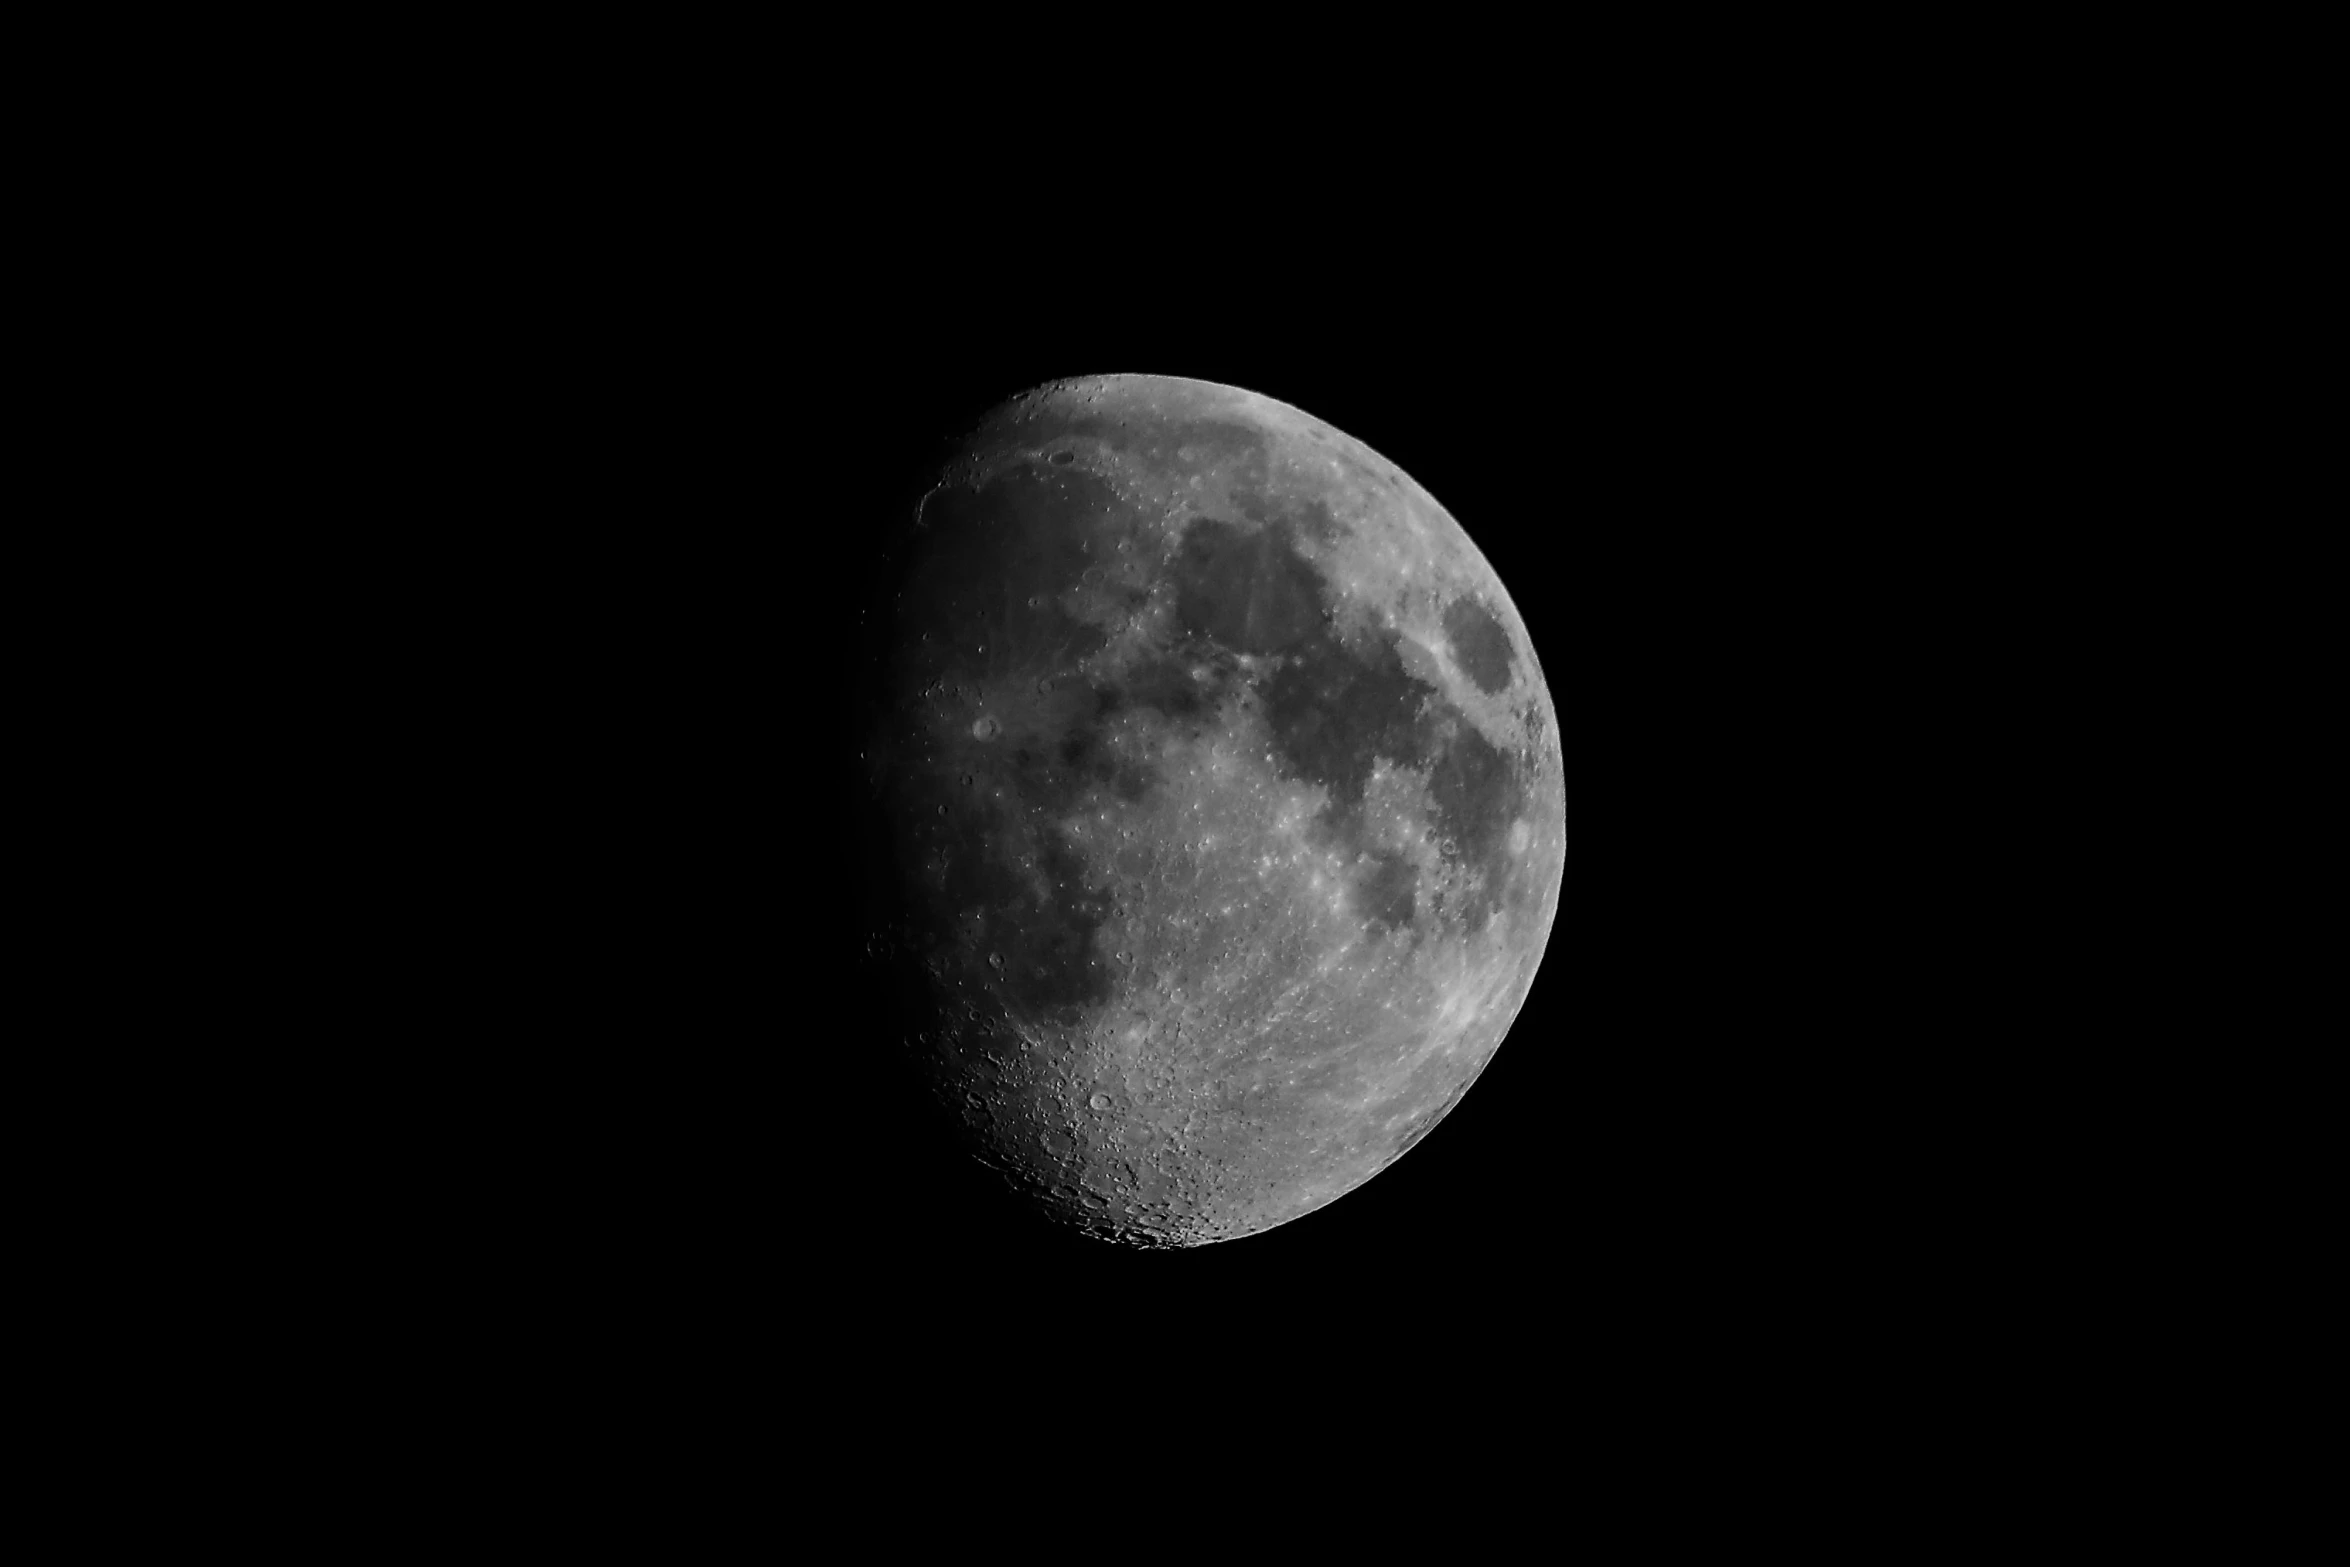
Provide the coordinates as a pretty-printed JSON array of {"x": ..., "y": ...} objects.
[{"x": 1227, "y": 804}]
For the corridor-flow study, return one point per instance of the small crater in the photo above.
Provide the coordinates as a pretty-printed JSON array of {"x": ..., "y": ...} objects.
[{"x": 985, "y": 729}]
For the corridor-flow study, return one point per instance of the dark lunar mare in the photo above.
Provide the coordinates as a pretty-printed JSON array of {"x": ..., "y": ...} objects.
[
  {"x": 1479, "y": 645},
  {"x": 1249, "y": 591},
  {"x": 982, "y": 598},
  {"x": 1387, "y": 891},
  {"x": 991, "y": 564},
  {"x": 1336, "y": 710}
]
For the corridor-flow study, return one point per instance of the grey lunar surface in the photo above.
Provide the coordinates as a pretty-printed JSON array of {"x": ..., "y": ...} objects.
[{"x": 1226, "y": 799}]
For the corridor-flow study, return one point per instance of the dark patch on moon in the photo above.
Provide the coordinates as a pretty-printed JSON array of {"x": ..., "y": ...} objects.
[
  {"x": 1010, "y": 892},
  {"x": 1052, "y": 963},
  {"x": 1036, "y": 944},
  {"x": 1303, "y": 514},
  {"x": 1335, "y": 712},
  {"x": 1479, "y": 645},
  {"x": 1477, "y": 796},
  {"x": 992, "y": 568},
  {"x": 1214, "y": 441},
  {"x": 1387, "y": 892},
  {"x": 1251, "y": 590},
  {"x": 1173, "y": 689},
  {"x": 1086, "y": 758}
]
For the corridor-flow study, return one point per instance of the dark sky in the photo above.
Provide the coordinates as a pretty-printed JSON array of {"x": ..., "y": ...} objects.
[{"x": 652, "y": 594}]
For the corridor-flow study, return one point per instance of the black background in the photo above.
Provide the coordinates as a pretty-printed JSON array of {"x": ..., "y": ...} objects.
[
  {"x": 582, "y": 455},
  {"x": 653, "y": 1082},
  {"x": 537, "y": 557}
]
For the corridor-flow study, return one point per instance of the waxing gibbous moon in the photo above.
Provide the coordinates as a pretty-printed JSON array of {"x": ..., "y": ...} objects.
[{"x": 1226, "y": 805}]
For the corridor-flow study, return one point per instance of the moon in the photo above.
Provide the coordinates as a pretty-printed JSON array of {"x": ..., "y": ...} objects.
[{"x": 1225, "y": 800}]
